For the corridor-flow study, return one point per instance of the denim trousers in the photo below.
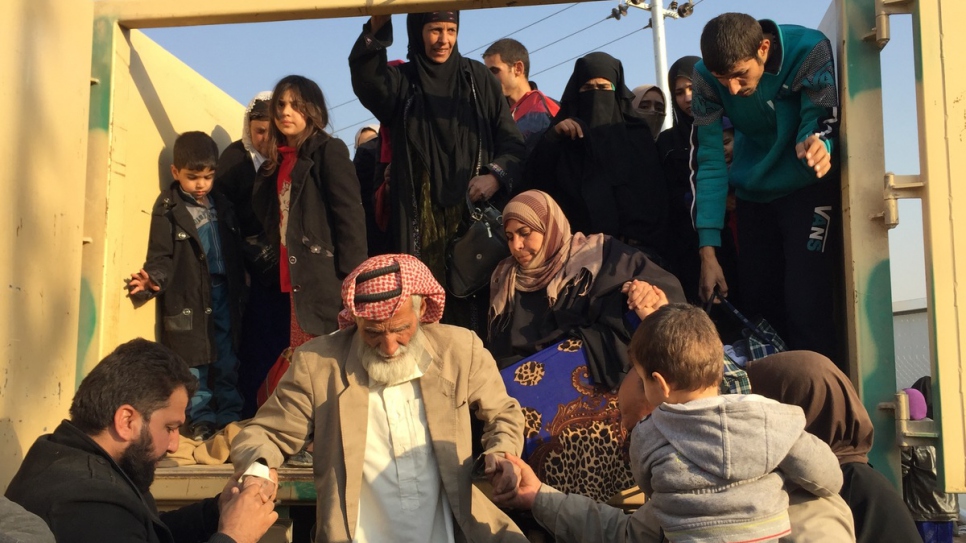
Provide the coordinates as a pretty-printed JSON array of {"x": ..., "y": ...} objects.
[{"x": 217, "y": 400}]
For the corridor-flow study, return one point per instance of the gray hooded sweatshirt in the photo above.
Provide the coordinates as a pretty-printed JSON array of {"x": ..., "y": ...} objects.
[{"x": 713, "y": 469}]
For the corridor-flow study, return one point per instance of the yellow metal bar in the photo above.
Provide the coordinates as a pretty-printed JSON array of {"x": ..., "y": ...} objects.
[
  {"x": 166, "y": 13},
  {"x": 941, "y": 105}
]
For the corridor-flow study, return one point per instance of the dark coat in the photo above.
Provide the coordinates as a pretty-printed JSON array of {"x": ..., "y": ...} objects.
[
  {"x": 388, "y": 92},
  {"x": 877, "y": 509},
  {"x": 595, "y": 313},
  {"x": 176, "y": 262},
  {"x": 326, "y": 236},
  {"x": 81, "y": 493},
  {"x": 235, "y": 178}
]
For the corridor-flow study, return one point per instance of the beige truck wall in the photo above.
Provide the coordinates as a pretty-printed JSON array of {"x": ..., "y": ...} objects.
[
  {"x": 146, "y": 97},
  {"x": 45, "y": 58},
  {"x": 939, "y": 42}
]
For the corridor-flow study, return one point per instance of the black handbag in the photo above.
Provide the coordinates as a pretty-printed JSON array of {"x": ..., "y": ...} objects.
[{"x": 472, "y": 256}]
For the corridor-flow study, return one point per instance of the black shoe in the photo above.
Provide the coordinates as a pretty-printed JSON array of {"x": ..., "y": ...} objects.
[{"x": 200, "y": 431}]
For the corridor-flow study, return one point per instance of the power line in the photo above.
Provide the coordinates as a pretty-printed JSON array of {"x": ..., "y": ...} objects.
[
  {"x": 567, "y": 36},
  {"x": 524, "y": 28},
  {"x": 344, "y": 104},
  {"x": 353, "y": 125},
  {"x": 591, "y": 51}
]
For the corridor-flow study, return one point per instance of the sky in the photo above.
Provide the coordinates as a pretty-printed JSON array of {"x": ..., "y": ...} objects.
[{"x": 244, "y": 59}]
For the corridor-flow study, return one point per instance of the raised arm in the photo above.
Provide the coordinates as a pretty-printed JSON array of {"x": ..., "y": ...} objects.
[{"x": 376, "y": 84}]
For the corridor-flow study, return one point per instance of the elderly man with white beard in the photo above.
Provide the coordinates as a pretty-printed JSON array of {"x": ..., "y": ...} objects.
[{"x": 389, "y": 399}]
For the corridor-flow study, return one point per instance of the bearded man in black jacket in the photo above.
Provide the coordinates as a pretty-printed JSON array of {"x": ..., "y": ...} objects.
[{"x": 90, "y": 480}]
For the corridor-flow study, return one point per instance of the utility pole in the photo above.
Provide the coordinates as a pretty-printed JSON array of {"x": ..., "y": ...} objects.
[{"x": 658, "y": 13}]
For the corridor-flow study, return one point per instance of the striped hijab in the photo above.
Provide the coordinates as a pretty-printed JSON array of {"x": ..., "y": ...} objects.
[{"x": 560, "y": 260}]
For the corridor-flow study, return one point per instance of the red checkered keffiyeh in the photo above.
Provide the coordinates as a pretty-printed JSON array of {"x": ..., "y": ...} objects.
[{"x": 375, "y": 289}]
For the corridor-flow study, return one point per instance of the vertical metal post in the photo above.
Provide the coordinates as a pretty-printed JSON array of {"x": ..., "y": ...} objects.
[
  {"x": 868, "y": 290},
  {"x": 660, "y": 56}
]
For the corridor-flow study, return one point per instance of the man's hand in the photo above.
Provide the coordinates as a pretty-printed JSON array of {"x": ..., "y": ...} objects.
[
  {"x": 268, "y": 488},
  {"x": 483, "y": 187},
  {"x": 711, "y": 274},
  {"x": 523, "y": 492},
  {"x": 502, "y": 474},
  {"x": 816, "y": 155},
  {"x": 643, "y": 298},
  {"x": 141, "y": 281},
  {"x": 245, "y": 517},
  {"x": 231, "y": 488},
  {"x": 569, "y": 127}
]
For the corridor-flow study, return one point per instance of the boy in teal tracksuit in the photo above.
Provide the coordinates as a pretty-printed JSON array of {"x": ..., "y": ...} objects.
[{"x": 776, "y": 83}]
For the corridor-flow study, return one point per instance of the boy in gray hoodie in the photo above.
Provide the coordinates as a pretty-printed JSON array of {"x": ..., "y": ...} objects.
[{"x": 713, "y": 467}]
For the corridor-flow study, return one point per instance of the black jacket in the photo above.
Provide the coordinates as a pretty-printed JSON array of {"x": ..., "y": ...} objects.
[
  {"x": 388, "y": 92},
  {"x": 176, "y": 262},
  {"x": 326, "y": 236},
  {"x": 235, "y": 178},
  {"x": 81, "y": 493},
  {"x": 591, "y": 309}
]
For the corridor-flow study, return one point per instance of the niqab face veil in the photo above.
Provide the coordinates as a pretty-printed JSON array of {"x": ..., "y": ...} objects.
[
  {"x": 654, "y": 120},
  {"x": 607, "y": 156}
]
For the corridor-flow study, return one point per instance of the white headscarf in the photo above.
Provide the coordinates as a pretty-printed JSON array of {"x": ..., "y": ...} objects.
[{"x": 257, "y": 158}]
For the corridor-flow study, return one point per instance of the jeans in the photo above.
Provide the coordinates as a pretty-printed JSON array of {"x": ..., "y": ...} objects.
[{"x": 217, "y": 400}]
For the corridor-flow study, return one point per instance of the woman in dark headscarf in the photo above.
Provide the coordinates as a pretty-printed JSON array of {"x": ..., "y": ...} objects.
[
  {"x": 451, "y": 134},
  {"x": 599, "y": 162},
  {"x": 834, "y": 413},
  {"x": 674, "y": 145}
]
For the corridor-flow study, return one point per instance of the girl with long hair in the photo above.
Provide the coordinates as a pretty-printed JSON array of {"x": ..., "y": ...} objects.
[{"x": 307, "y": 198}]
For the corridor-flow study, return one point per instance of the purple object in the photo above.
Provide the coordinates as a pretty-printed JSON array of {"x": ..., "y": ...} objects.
[{"x": 917, "y": 404}]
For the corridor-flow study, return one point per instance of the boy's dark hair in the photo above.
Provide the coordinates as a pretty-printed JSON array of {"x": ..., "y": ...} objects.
[
  {"x": 729, "y": 39},
  {"x": 195, "y": 151},
  {"x": 680, "y": 342},
  {"x": 139, "y": 373},
  {"x": 510, "y": 51}
]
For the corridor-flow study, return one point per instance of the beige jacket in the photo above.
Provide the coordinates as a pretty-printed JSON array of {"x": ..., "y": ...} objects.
[{"x": 326, "y": 391}]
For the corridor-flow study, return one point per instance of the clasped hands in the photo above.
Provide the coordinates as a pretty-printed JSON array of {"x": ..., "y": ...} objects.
[
  {"x": 514, "y": 483},
  {"x": 248, "y": 507}
]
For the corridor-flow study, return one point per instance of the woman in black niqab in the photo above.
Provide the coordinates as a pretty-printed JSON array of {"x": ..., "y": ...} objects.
[{"x": 610, "y": 180}]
